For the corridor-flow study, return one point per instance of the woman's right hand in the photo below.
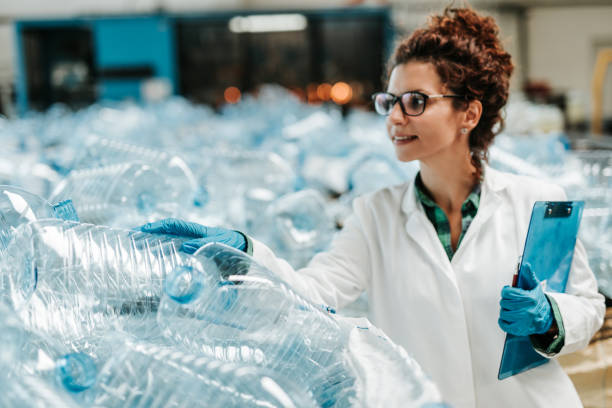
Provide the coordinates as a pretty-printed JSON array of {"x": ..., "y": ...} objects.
[{"x": 200, "y": 234}]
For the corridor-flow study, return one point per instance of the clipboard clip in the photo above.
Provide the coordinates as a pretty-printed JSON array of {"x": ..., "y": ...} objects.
[{"x": 558, "y": 209}]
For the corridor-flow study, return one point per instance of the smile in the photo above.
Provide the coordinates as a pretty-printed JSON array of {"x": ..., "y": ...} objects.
[{"x": 403, "y": 139}]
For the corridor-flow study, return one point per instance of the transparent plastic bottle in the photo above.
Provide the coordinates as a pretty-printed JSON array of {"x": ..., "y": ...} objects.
[
  {"x": 12, "y": 336},
  {"x": 592, "y": 172},
  {"x": 47, "y": 358},
  {"x": 228, "y": 179},
  {"x": 296, "y": 226},
  {"x": 122, "y": 195},
  {"x": 254, "y": 169},
  {"x": 388, "y": 376},
  {"x": 369, "y": 171},
  {"x": 32, "y": 391},
  {"x": 77, "y": 281},
  {"x": 100, "y": 152},
  {"x": 313, "y": 133},
  {"x": 18, "y": 206},
  {"x": 600, "y": 260},
  {"x": 47, "y": 370},
  {"x": 26, "y": 169},
  {"x": 239, "y": 311},
  {"x": 146, "y": 375},
  {"x": 596, "y": 167}
]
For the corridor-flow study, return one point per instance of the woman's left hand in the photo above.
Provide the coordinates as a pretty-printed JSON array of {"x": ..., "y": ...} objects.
[{"x": 525, "y": 312}]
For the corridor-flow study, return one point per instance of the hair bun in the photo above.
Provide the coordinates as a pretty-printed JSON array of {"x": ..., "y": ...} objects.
[{"x": 467, "y": 23}]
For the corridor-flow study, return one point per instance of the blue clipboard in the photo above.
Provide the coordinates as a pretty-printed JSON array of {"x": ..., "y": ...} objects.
[{"x": 549, "y": 249}]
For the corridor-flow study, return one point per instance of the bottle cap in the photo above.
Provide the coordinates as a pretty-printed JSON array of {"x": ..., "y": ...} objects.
[
  {"x": 184, "y": 284},
  {"x": 76, "y": 372}
]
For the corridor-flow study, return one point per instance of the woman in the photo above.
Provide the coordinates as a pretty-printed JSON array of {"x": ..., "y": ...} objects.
[{"x": 435, "y": 255}]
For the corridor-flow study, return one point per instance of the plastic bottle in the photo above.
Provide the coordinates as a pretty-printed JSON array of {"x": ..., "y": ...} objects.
[
  {"x": 228, "y": 179},
  {"x": 76, "y": 281},
  {"x": 121, "y": 195},
  {"x": 145, "y": 375},
  {"x": 12, "y": 337},
  {"x": 239, "y": 311},
  {"x": 296, "y": 226},
  {"x": 100, "y": 152},
  {"x": 26, "y": 170},
  {"x": 36, "y": 370},
  {"x": 369, "y": 171},
  {"x": 596, "y": 167},
  {"x": 388, "y": 376},
  {"x": 254, "y": 169},
  {"x": 313, "y": 133},
  {"x": 32, "y": 391},
  {"x": 18, "y": 206},
  {"x": 50, "y": 360}
]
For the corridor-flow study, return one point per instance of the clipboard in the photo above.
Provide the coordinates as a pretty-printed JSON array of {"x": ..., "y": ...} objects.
[{"x": 549, "y": 249}]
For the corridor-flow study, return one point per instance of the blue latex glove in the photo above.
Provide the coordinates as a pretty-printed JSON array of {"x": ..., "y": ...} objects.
[
  {"x": 201, "y": 235},
  {"x": 525, "y": 312}
]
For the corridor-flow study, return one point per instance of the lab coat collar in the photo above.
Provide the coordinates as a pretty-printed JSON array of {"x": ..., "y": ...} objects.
[{"x": 494, "y": 182}]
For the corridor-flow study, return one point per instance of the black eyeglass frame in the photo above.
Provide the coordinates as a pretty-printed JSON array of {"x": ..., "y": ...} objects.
[{"x": 398, "y": 98}]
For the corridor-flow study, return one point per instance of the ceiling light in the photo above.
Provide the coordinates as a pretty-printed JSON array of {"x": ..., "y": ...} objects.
[{"x": 265, "y": 23}]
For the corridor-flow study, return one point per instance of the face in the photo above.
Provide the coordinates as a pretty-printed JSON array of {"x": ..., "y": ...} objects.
[{"x": 434, "y": 133}]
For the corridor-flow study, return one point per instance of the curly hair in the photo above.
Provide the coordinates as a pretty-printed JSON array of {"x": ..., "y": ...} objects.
[{"x": 465, "y": 49}]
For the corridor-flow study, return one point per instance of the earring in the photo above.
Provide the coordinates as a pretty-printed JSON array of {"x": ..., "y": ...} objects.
[{"x": 464, "y": 131}]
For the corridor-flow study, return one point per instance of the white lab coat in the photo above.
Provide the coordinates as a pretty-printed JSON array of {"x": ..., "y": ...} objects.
[{"x": 444, "y": 313}]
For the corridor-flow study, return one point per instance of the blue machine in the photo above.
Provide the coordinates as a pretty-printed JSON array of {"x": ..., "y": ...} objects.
[
  {"x": 142, "y": 47},
  {"x": 87, "y": 59},
  {"x": 83, "y": 60}
]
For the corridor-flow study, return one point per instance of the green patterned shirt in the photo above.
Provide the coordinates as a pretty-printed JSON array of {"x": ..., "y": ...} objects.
[{"x": 439, "y": 219}]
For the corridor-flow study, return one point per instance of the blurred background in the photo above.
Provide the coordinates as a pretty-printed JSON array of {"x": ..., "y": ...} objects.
[
  {"x": 78, "y": 52},
  {"x": 256, "y": 114}
]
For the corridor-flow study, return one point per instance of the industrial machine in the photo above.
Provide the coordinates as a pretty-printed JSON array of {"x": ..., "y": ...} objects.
[{"x": 82, "y": 60}]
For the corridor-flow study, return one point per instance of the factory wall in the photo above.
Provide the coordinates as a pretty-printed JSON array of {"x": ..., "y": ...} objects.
[{"x": 563, "y": 43}]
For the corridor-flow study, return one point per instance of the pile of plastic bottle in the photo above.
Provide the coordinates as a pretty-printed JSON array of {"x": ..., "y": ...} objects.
[
  {"x": 93, "y": 315},
  {"x": 271, "y": 166},
  {"x": 97, "y": 313}
]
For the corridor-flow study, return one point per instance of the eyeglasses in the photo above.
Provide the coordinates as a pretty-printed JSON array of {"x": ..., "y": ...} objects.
[{"x": 412, "y": 103}]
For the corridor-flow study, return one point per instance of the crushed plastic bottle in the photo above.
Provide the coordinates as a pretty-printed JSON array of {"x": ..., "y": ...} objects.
[
  {"x": 145, "y": 375},
  {"x": 100, "y": 152},
  {"x": 238, "y": 311},
  {"x": 32, "y": 391},
  {"x": 297, "y": 226},
  {"x": 596, "y": 167},
  {"x": 70, "y": 372},
  {"x": 369, "y": 171},
  {"x": 12, "y": 337},
  {"x": 18, "y": 206},
  {"x": 121, "y": 195},
  {"x": 28, "y": 358},
  {"x": 388, "y": 376},
  {"x": 77, "y": 281},
  {"x": 25, "y": 169},
  {"x": 245, "y": 174}
]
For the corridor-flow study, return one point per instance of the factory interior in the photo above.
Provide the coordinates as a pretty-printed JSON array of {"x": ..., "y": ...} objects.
[{"x": 204, "y": 203}]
